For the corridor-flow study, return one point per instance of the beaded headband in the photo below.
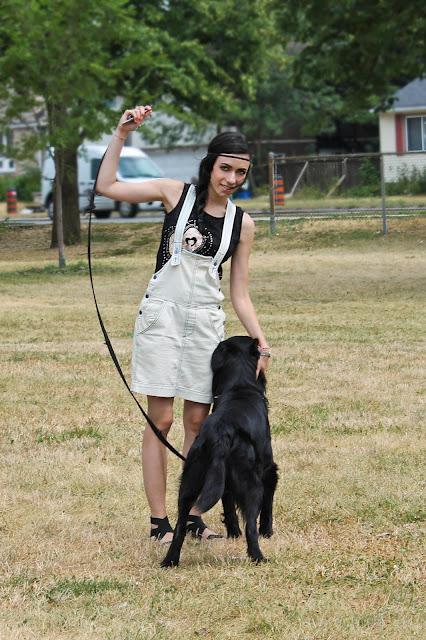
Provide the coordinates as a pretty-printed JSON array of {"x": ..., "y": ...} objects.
[{"x": 229, "y": 155}]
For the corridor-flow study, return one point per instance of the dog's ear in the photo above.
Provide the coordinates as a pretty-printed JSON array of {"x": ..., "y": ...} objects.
[{"x": 218, "y": 357}]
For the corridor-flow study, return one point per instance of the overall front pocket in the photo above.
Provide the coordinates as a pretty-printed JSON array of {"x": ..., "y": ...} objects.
[{"x": 149, "y": 313}]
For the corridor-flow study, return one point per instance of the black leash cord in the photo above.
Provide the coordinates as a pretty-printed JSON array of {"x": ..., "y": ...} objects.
[{"x": 153, "y": 426}]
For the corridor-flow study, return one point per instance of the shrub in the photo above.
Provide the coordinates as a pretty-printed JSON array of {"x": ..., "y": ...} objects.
[
  {"x": 369, "y": 181},
  {"x": 25, "y": 184},
  {"x": 410, "y": 182}
]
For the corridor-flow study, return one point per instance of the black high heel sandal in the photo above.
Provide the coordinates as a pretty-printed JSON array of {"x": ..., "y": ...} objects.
[
  {"x": 163, "y": 527},
  {"x": 196, "y": 527}
]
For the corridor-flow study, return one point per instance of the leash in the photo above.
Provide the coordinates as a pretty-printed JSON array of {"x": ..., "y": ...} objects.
[{"x": 89, "y": 209}]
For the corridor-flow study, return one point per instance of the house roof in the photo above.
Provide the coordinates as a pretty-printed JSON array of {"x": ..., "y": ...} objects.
[{"x": 412, "y": 97}]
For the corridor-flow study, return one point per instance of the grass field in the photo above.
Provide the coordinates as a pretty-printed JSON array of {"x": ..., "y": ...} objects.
[{"x": 344, "y": 309}]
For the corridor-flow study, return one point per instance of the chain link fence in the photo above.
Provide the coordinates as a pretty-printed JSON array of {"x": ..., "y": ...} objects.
[{"x": 362, "y": 184}]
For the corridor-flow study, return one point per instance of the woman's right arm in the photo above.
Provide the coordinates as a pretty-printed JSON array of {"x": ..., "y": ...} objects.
[{"x": 164, "y": 189}]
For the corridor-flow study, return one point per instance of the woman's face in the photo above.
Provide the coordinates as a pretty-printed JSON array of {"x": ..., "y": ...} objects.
[{"x": 228, "y": 174}]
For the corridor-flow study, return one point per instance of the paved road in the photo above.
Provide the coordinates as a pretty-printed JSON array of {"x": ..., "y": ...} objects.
[
  {"x": 295, "y": 214},
  {"x": 39, "y": 220}
]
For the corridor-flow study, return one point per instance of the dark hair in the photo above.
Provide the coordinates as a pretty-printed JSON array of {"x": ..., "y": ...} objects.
[{"x": 231, "y": 142}]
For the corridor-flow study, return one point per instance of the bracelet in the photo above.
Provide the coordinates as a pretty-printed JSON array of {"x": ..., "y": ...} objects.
[
  {"x": 119, "y": 137},
  {"x": 264, "y": 352}
]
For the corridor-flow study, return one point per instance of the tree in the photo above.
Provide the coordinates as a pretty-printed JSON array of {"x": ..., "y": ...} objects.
[
  {"x": 59, "y": 53},
  {"x": 358, "y": 51},
  {"x": 210, "y": 57},
  {"x": 195, "y": 59}
]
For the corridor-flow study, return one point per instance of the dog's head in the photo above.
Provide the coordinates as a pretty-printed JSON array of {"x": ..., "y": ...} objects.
[{"x": 234, "y": 361}]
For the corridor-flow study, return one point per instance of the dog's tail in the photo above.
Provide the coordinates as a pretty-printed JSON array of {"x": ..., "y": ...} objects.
[{"x": 214, "y": 483}]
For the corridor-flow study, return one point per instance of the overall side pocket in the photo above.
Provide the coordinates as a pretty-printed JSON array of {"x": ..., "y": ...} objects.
[{"x": 217, "y": 319}]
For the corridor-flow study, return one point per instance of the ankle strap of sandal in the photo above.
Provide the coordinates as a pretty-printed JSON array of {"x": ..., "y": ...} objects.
[{"x": 163, "y": 527}]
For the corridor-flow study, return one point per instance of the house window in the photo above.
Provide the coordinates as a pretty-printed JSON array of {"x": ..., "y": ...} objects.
[{"x": 416, "y": 133}]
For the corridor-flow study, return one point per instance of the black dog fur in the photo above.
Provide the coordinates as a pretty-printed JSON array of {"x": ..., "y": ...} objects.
[{"x": 232, "y": 456}]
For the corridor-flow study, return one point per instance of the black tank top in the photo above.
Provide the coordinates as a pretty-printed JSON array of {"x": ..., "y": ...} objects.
[{"x": 202, "y": 234}]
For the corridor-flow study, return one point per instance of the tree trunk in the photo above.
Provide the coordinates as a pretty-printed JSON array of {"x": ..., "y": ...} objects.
[
  {"x": 58, "y": 218},
  {"x": 70, "y": 204}
]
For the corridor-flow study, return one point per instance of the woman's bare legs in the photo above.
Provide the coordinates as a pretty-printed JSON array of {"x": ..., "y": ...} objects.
[
  {"x": 193, "y": 415},
  {"x": 154, "y": 457}
]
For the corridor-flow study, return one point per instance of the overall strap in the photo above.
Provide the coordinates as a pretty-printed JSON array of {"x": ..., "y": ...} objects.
[
  {"x": 181, "y": 223},
  {"x": 225, "y": 241}
]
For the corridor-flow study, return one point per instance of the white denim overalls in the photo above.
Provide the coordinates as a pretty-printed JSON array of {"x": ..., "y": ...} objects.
[{"x": 180, "y": 319}]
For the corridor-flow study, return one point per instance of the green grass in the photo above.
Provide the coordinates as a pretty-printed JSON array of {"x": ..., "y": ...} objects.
[
  {"x": 49, "y": 271},
  {"x": 74, "y": 588},
  {"x": 64, "y": 436}
]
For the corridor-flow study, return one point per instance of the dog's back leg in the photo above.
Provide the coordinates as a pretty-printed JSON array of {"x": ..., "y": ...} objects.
[
  {"x": 269, "y": 479},
  {"x": 173, "y": 555},
  {"x": 230, "y": 517},
  {"x": 248, "y": 488},
  {"x": 251, "y": 511},
  {"x": 192, "y": 481}
]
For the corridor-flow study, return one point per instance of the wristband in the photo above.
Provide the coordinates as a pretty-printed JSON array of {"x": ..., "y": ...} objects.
[{"x": 264, "y": 352}]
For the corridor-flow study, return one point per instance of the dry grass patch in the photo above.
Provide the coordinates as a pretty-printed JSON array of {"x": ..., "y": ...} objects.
[{"x": 344, "y": 310}]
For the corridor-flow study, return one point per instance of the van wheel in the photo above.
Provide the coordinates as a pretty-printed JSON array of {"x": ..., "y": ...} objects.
[
  {"x": 127, "y": 210},
  {"x": 102, "y": 214},
  {"x": 49, "y": 207}
]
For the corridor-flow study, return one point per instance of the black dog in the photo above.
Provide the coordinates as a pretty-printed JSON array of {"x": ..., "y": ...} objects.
[{"x": 232, "y": 456}]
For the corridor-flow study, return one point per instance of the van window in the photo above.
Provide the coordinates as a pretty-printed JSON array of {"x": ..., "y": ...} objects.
[
  {"x": 130, "y": 168},
  {"x": 94, "y": 166},
  {"x": 138, "y": 168}
]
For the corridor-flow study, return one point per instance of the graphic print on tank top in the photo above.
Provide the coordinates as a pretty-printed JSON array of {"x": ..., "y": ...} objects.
[
  {"x": 202, "y": 234},
  {"x": 193, "y": 239}
]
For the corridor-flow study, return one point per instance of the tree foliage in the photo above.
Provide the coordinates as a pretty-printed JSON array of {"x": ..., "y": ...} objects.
[
  {"x": 209, "y": 58},
  {"x": 357, "y": 50}
]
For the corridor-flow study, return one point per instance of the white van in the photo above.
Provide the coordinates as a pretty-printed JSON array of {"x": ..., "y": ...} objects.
[{"x": 134, "y": 166}]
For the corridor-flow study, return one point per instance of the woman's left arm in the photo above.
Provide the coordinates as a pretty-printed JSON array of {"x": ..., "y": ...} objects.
[{"x": 240, "y": 296}]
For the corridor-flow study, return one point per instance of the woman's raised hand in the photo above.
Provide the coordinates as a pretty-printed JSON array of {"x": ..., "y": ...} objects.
[{"x": 139, "y": 114}]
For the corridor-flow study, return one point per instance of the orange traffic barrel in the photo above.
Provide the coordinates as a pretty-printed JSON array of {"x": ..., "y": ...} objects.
[
  {"x": 11, "y": 201},
  {"x": 279, "y": 191}
]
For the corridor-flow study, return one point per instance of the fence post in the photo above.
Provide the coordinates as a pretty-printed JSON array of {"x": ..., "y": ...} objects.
[
  {"x": 271, "y": 167},
  {"x": 383, "y": 195}
]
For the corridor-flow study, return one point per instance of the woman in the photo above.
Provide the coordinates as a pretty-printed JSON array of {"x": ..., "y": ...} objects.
[{"x": 180, "y": 319}]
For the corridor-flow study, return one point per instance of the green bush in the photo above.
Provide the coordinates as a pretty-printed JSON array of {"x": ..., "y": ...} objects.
[
  {"x": 369, "y": 177},
  {"x": 410, "y": 182},
  {"x": 25, "y": 184}
]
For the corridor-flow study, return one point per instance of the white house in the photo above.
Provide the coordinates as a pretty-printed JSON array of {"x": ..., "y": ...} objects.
[
  {"x": 402, "y": 131},
  {"x": 7, "y": 165}
]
